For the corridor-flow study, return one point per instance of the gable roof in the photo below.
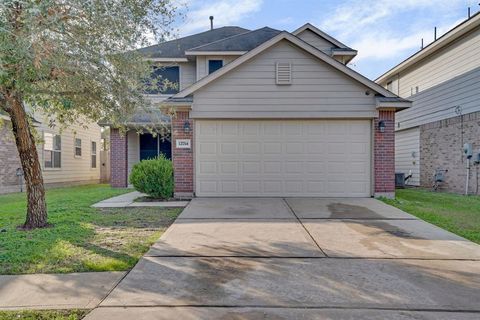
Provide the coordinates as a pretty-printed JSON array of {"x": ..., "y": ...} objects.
[
  {"x": 321, "y": 34},
  {"x": 176, "y": 48},
  {"x": 284, "y": 35},
  {"x": 433, "y": 47},
  {"x": 241, "y": 42}
]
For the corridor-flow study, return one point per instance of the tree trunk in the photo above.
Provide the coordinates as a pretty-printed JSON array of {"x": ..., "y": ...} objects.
[{"x": 27, "y": 151}]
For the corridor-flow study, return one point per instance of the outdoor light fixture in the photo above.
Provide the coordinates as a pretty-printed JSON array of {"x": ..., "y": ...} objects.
[
  {"x": 186, "y": 127},
  {"x": 381, "y": 126}
]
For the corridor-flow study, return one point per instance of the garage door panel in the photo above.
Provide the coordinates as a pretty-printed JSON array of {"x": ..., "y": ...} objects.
[
  {"x": 272, "y": 148},
  {"x": 283, "y": 158}
]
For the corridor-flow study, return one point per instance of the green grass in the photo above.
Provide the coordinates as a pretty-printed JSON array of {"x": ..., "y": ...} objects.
[
  {"x": 455, "y": 213},
  {"x": 43, "y": 315},
  {"x": 81, "y": 238}
]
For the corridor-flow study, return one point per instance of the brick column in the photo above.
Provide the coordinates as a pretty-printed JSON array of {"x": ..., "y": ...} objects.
[
  {"x": 384, "y": 155},
  {"x": 182, "y": 158},
  {"x": 118, "y": 159}
]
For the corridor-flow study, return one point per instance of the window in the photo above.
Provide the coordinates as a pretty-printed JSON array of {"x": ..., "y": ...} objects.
[
  {"x": 94, "y": 154},
  {"x": 214, "y": 65},
  {"x": 78, "y": 147},
  {"x": 166, "y": 80},
  {"x": 52, "y": 150}
]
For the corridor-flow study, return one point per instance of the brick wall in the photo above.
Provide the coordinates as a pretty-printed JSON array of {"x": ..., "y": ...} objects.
[
  {"x": 384, "y": 155},
  {"x": 118, "y": 159},
  {"x": 441, "y": 147},
  {"x": 9, "y": 160},
  {"x": 182, "y": 158}
]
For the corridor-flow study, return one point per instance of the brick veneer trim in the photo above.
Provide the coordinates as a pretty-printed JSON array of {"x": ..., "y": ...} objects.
[
  {"x": 384, "y": 155},
  {"x": 118, "y": 159},
  {"x": 183, "y": 158}
]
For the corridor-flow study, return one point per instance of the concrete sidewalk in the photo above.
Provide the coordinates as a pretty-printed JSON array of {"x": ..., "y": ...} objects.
[
  {"x": 127, "y": 200},
  {"x": 56, "y": 291}
]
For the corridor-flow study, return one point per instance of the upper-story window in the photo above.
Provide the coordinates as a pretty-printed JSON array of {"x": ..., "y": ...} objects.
[
  {"x": 167, "y": 80},
  {"x": 214, "y": 65}
]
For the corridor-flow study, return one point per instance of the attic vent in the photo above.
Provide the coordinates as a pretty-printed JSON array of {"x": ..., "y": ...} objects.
[{"x": 284, "y": 73}]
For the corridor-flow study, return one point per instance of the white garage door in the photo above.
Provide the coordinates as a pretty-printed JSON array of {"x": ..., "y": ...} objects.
[{"x": 326, "y": 158}]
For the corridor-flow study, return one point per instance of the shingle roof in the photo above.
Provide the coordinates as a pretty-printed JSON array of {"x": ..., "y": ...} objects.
[
  {"x": 241, "y": 42},
  {"x": 176, "y": 48},
  {"x": 141, "y": 117}
]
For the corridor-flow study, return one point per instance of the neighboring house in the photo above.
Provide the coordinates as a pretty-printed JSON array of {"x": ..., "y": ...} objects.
[
  {"x": 67, "y": 158},
  {"x": 443, "y": 81},
  {"x": 267, "y": 113}
]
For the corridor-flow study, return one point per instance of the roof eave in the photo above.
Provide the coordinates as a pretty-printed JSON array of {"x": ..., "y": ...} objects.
[
  {"x": 167, "y": 59},
  {"x": 300, "y": 43},
  {"x": 320, "y": 33},
  {"x": 397, "y": 105},
  {"x": 345, "y": 53},
  {"x": 215, "y": 53}
]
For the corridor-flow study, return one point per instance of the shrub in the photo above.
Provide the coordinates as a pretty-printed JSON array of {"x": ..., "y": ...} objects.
[{"x": 153, "y": 177}]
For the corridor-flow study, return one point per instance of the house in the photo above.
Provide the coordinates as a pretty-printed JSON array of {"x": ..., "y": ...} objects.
[
  {"x": 67, "y": 157},
  {"x": 443, "y": 82},
  {"x": 267, "y": 113}
]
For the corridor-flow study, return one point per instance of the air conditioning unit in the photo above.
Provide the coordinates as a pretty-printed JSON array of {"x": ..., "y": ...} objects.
[{"x": 400, "y": 180}]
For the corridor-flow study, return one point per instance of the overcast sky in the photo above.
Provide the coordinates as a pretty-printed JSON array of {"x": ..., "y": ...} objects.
[{"x": 384, "y": 32}]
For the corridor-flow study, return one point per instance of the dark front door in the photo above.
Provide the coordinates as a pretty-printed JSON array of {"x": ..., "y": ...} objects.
[{"x": 151, "y": 147}]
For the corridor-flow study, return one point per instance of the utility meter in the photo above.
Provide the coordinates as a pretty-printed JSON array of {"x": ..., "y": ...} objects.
[
  {"x": 467, "y": 150},
  {"x": 477, "y": 158}
]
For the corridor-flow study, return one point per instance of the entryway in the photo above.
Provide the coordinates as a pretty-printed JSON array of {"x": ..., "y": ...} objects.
[{"x": 151, "y": 146}]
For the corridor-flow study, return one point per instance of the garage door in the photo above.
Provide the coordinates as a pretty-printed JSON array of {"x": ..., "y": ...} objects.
[{"x": 325, "y": 158}]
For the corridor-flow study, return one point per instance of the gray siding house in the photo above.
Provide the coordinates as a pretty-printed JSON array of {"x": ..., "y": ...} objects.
[
  {"x": 266, "y": 113},
  {"x": 443, "y": 82}
]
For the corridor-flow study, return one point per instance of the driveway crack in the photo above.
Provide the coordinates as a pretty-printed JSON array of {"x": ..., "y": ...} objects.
[{"x": 304, "y": 228}]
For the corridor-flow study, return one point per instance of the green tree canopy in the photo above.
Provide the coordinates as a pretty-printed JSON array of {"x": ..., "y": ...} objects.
[{"x": 73, "y": 60}]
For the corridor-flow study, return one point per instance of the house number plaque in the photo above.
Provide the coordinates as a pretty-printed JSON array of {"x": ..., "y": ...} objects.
[{"x": 183, "y": 143}]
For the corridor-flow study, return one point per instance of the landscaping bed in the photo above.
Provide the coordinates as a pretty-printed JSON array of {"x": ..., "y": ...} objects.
[
  {"x": 456, "y": 213},
  {"x": 81, "y": 238}
]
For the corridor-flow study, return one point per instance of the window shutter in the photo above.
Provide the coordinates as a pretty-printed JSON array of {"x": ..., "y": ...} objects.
[{"x": 284, "y": 73}]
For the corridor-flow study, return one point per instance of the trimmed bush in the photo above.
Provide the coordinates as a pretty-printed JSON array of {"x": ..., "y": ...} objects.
[{"x": 153, "y": 177}]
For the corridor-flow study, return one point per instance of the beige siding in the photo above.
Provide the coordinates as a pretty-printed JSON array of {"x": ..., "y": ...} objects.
[
  {"x": 187, "y": 74},
  {"x": 317, "y": 89},
  {"x": 202, "y": 63},
  {"x": 453, "y": 60},
  {"x": 133, "y": 155},
  {"x": 407, "y": 154},
  {"x": 73, "y": 169},
  {"x": 440, "y": 102},
  {"x": 316, "y": 41}
]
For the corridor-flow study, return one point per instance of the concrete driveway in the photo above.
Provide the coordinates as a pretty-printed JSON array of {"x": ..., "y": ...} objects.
[{"x": 300, "y": 259}]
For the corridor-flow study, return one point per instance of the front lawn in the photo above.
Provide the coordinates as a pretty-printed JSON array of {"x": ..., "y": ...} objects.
[
  {"x": 456, "y": 213},
  {"x": 81, "y": 238},
  {"x": 43, "y": 315}
]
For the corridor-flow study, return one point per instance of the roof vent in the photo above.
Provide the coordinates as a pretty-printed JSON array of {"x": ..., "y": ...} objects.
[
  {"x": 284, "y": 73},
  {"x": 211, "y": 22}
]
